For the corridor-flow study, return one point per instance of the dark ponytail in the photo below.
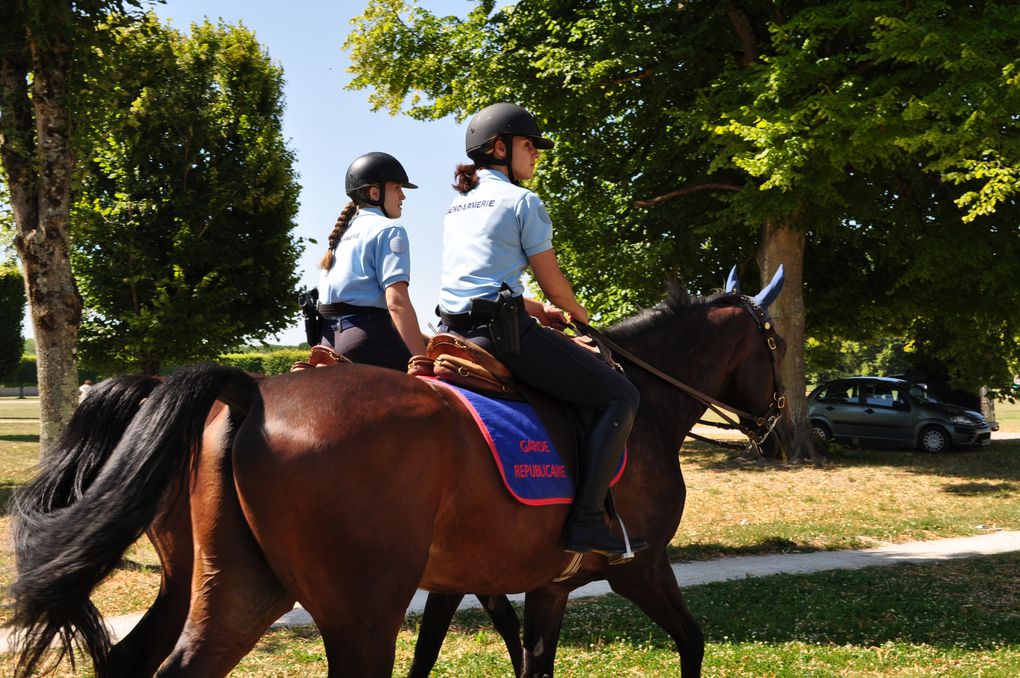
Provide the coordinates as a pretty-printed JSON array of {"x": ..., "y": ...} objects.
[
  {"x": 338, "y": 230},
  {"x": 465, "y": 178}
]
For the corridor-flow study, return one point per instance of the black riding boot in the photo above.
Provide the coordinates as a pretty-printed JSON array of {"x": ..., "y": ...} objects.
[{"x": 586, "y": 529}]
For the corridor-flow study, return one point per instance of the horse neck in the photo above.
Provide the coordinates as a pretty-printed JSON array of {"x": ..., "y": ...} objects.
[{"x": 696, "y": 345}]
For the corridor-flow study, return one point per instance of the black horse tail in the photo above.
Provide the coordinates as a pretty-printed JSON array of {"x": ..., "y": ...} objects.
[
  {"x": 63, "y": 553},
  {"x": 83, "y": 447}
]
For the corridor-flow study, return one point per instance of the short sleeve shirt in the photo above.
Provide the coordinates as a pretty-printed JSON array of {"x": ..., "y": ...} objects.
[
  {"x": 372, "y": 254},
  {"x": 488, "y": 235}
]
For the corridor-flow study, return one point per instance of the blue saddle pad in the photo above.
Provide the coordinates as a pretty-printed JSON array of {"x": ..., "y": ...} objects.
[{"x": 531, "y": 468}]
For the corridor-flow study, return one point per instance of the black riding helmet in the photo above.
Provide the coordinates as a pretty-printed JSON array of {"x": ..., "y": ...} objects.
[
  {"x": 504, "y": 121},
  {"x": 372, "y": 169}
]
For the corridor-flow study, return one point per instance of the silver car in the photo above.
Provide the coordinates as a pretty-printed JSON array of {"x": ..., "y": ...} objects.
[{"x": 886, "y": 411}]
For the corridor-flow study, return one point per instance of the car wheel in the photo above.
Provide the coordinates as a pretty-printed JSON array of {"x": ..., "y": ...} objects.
[
  {"x": 934, "y": 439},
  {"x": 821, "y": 431}
]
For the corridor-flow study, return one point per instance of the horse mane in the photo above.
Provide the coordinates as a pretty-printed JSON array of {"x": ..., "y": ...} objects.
[{"x": 678, "y": 302}]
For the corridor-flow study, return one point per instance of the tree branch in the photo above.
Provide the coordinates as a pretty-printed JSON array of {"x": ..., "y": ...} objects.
[
  {"x": 641, "y": 204},
  {"x": 630, "y": 78},
  {"x": 742, "y": 25},
  {"x": 17, "y": 140}
]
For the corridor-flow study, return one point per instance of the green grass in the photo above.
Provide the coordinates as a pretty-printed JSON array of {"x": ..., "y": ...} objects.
[
  {"x": 12, "y": 407},
  {"x": 953, "y": 619},
  {"x": 862, "y": 498},
  {"x": 1008, "y": 415}
]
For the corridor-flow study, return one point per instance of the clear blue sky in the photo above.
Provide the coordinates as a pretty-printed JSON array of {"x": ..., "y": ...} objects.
[{"x": 327, "y": 127}]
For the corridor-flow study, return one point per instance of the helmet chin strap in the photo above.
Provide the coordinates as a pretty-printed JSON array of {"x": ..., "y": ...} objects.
[
  {"x": 508, "y": 160},
  {"x": 508, "y": 141},
  {"x": 381, "y": 202}
]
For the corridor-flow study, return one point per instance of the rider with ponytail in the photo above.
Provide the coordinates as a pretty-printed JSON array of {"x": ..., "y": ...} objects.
[
  {"x": 493, "y": 231},
  {"x": 363, "y": 283}
]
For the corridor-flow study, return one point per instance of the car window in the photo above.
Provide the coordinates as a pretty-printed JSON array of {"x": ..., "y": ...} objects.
[
  {"x": 881, "y": 394},
  {"x": 838, "y": 392},
  {"x": 921, "y": 393}
]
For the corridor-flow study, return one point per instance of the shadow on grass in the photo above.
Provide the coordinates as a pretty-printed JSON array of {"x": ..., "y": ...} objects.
[
  {"x": 6, "y": 492},
  {"x": 134, "y": 566},
  {"x": 766, "y": 546},
  {"x": 998, "y": 461},
  {"x": 977, "y": 489},
  {"x": 20, "y": 437}
]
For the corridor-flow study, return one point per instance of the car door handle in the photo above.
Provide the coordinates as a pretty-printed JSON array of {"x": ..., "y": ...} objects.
[
  {"x": 830, "y": 408},
  {"x": 870, "y": 411}
]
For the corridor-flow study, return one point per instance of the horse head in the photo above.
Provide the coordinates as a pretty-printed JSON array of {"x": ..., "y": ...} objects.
[
  {"x": 777, "y": 445},
  {"x": 724, "y": 345}
]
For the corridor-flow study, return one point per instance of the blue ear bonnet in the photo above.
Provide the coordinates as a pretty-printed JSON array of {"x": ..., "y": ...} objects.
[
  {"x": 732, "y": 284},
  {"x": 772, "y": 290},
  {"x": 768, "y": 294}
]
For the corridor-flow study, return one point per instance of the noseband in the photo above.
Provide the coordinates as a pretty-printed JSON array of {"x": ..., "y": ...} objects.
[{"x": 757, "y": 428}]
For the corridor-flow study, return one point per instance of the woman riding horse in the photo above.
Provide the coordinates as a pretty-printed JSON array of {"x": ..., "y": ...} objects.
[
  {"x": 494, "y": 231},
  {"x": 366, "y": 270}
]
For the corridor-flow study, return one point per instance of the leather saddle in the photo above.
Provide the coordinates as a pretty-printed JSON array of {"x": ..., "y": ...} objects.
[
  {"x": 464, "y": 363},
  {"x": 321, "y": 356}
]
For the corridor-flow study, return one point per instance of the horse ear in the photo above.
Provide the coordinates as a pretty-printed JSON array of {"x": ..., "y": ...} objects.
[
  {"x": 772, "y": 290},
  {"x": 732, "y": 284}
]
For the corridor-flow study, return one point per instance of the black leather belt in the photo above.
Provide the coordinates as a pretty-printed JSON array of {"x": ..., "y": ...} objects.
[
  {"x": 337, "y": 310},
  {"x": 472, "y": 319}
]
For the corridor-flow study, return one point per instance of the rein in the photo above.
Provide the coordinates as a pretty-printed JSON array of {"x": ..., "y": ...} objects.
[{"x": 757, "y": 428}]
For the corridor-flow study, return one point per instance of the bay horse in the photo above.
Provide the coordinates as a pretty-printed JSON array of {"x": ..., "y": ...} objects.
[{"x": 345, "y": 488}]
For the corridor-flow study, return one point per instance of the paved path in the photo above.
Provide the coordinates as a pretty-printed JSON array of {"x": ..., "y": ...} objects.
[{"x": 723, "y": 569}]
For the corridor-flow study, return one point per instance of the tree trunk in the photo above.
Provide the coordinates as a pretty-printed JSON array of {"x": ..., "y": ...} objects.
[
  {"x": 38, "y": 161},
  {"x": 782, "y": 242}
]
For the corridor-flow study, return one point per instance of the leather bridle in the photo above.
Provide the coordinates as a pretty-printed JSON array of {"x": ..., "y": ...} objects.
[{"x": 757, "y": 428}]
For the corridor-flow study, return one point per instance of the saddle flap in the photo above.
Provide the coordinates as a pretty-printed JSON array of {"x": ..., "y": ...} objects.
[
  {"x": 469, "y": 374},
  {"x": 323, "y": 356},
  {"x": 421, "y": 366},
  {"x": 450, "y": 344}
]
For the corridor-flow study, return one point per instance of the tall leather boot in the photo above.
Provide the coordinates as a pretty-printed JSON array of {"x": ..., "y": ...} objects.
[{"x": 586, "y": 530}]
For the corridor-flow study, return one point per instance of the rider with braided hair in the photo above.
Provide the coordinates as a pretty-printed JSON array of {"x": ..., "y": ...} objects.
[
  {"x": 363, "y": 283},
  {"x": 493, "y": 231}
]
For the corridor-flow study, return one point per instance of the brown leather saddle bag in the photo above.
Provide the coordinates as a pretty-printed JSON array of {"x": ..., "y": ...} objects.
[
  {"x": 464, "y": 363},
  {"x": 321, "y": 356}
]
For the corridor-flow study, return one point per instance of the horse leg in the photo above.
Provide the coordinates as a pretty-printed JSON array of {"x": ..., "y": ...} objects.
[
  {"x": 655, "y": 591},
  {"x": 142, "y": 651},
  {"x": 435, "y": 623},
  {"x": 235, "y": 595},
  {"x": 508, "y": 626},
  {"x": 543, "y": 618},
  {"x": 359, "y": 627}
]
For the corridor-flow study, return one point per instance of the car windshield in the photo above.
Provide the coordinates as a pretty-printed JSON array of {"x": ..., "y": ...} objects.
[{"x": 921, "y": 393}]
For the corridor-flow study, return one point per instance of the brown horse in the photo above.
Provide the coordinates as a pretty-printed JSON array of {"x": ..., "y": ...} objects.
[{"x": 345, "y": 488}]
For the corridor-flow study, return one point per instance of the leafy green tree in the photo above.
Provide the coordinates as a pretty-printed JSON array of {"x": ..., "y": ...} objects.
[
  {"x": 12, "y": 313},
  {"x": 40, "y": 41},
  {"x": 894, "y": 126},
  {"x": 693, "y": 134},
  {"x": 183, "y": 223}
]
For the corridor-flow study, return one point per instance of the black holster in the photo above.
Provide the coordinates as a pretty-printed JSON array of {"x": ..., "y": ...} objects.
[
  {"x": 504, "y": 328},
  {"x": 313, "y": 319}
]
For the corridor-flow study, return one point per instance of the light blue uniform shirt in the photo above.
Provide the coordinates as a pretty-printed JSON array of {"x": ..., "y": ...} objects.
[
  {"x": 372, "y": 255},
  {"x": 488, "y": 236}
]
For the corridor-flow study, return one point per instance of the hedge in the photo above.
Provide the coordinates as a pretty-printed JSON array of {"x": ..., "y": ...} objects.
[{"x": 271, "y": 362}]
